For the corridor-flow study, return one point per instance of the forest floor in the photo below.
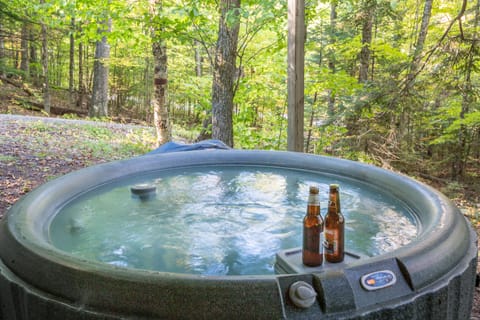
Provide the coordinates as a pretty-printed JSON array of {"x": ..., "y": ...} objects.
[{"x": 35, "y": 149}]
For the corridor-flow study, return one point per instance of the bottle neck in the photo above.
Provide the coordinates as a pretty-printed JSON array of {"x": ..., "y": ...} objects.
[
  {"x": 313, "y": 207},
  {"x": 334, "y": 203},
  {"x": 313, "y": 199}
]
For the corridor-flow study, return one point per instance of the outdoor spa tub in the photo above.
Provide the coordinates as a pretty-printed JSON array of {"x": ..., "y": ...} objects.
[{"x": 45, "y": 274}]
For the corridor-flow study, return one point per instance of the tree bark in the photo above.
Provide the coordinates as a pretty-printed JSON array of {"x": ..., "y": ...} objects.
[
  {"x": 82, "y": 87},
  {"x": 368, "y": 14},
  {"x": 46, "y": 87},
  {"x": 35, "y": 69},
  {"x": 198, "y": 59},
  {"x": 24, "y": 60},
  {"x": 71, "y": 66},
  {"x": 419, "y": 45},
  {"x": 225, "y": 71},
  {"x": 160, "y": 80},
  {"x": 405, "y": 116},
  {"x": 331, "y": 55},
  {"x": 296, "y": 71},
  {"x": 310, "y": 126},
  {"x": 99, "y": 107},
  {"x": 3, "y": 56}
]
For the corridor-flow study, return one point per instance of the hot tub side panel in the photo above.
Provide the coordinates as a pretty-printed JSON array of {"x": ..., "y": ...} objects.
[{"x": 210, "y": 300}]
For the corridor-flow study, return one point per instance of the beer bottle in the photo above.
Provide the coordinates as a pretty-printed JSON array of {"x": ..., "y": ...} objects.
[
  {"x": 312, "y": 253},
  {"x": 334, "y": 227}
]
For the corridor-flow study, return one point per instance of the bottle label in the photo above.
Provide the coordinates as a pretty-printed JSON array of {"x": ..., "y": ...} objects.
[
  {"x": 311, "y": 239},
  {"x": 314, "y": 199},
  {"x": 331, "y": 247},
  {"x": 331, "y": 242}
]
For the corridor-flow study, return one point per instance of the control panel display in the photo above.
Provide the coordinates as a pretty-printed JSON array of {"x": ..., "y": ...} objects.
[{"x": 378, "y": 280}]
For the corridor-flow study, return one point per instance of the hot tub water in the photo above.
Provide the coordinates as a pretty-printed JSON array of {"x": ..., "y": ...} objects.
[{"x": 221, "y": 221}]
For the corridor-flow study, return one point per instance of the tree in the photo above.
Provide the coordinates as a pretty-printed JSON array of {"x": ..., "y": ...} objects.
[
  {"x": 368, "y": 14},
  {"x": 224, "y": 71},
  {"x": 82, "y": 87},
  {"x": 405, "y": 115},
  {"x": 71, "y": 65},
  {"x": 3, "y": 56},
  {"x": 99, "y": 107},
  {"x": 45, "y": 78},
  {"x": 24, "y": 43},
  {"x": 296, "y": 64},
  {"x": 331, "y": 55},
  {"x": 160, "y": 78}
]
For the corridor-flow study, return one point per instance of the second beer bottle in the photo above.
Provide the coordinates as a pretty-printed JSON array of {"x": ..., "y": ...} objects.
[
  {"x": 312, "y": 253},
  {"x": 334, "y": 227}
]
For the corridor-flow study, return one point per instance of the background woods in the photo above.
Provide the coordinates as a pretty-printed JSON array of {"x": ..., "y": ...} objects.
[{"x": 394, "y": 83}]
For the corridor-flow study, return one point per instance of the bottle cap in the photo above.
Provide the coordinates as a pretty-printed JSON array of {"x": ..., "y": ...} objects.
[
  {"x": 334, "y": 186},
  {"x": 313, "y": 189}
]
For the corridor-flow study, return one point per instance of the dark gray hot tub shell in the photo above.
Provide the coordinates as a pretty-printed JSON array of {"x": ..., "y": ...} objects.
[{"x": 435, "y": 273}]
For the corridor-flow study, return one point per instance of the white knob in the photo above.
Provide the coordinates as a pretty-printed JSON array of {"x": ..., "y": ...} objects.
[{"x": 302, "y": 294}]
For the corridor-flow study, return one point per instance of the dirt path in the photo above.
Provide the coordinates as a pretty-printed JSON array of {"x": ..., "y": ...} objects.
[{"x": 34, "y": 150}]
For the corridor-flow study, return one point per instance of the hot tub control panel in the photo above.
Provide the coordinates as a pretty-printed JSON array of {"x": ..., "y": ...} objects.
[
  {"x": 378, "y": 280},
  {"x": 342, "y": 287}
]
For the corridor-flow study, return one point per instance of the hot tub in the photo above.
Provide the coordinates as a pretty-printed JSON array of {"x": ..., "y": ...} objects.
[{"x": 432, "y": 276}]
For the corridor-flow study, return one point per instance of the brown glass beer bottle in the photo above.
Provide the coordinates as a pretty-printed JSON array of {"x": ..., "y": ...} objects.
[
  {"x": 312, "y": 253},
  {"x": 334, "y": 227}
]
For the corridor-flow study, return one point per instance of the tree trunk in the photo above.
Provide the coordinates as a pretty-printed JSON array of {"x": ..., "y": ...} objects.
[
  {"x": 160, "y": 79},
  {"x": 368, "y": 8},
  {"x": 331, "y": 55},
  {"x": 71, "y": 66},
  {"x": 296, "y": 71},
  {"x": 82, "y": 87},
  {"x": 310, "y": 127},
  {"x": 405, "y": 116},
  {"x": 35, "y": 69},
  {"x": 24, "y": 60},
  {"x": 3, "y": 56},
  {"x": 368, "y": 14},
  {"x": 422, "y": 37},
  {"x": 46, "y": 87},
  {"x": 198, "y": 59},
  {"x": 99, "y": 107},
  {"x": 225, "y": 71},
  {"x": 147, "y": 91},
  {"x": 206, "y": 131}
]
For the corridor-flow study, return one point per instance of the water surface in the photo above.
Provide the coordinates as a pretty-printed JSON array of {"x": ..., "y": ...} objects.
[{"x": 222, "y": 220}]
